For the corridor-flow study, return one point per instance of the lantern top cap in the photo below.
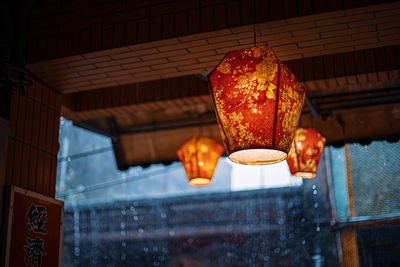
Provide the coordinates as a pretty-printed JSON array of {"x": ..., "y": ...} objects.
[
  {"x": 310, "y": 130},
  {"x": 259, "y": 50},
  {"x": 203, "y": 139}
]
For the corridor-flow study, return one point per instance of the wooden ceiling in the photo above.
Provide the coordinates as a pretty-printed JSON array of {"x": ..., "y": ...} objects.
[{"x": 135, "y": 70}]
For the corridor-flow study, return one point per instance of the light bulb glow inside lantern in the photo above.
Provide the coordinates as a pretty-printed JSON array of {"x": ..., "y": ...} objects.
[
  {"x": 258, "y": 103},
  {"x": 199, "y": 156},
  {"x": 305, "y": 153}
]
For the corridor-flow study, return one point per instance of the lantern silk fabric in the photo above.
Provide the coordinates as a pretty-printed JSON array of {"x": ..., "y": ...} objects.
[
  {"x": 199, "y": 156},
  {"x": 305, "y": 153},
  {"x": 258, "y": 103}
]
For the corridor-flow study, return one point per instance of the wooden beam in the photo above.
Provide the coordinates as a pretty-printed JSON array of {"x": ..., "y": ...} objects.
[
  {"x": 107, "y": 102},
  {"x": 116, "y": 142},
  {"x": 338, "y": 127},
  {"x": 98, "y": 104},
  {"x": 342, "y": 125}
]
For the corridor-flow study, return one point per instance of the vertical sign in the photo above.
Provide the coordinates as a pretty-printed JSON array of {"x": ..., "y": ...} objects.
[{"x": 34, "y": 230}]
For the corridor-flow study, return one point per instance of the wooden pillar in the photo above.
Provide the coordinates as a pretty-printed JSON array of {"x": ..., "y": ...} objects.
[
  {"x": 348, "y": 179},
  {"x": 348, "y": 236},
  {"x": 31, "y": 161},
  {"x": 349, "y": 246},
  {"x": 29, "y": 131}
]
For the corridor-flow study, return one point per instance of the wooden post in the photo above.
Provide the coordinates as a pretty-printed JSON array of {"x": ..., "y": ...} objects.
[
  {"x": 348, "y": 236},
  {"x": 349, "y": 246},
  {"x": 348, "y": 178}
]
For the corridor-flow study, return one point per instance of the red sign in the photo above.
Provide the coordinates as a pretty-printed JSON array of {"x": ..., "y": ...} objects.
[{"x": 34, "y": 230}]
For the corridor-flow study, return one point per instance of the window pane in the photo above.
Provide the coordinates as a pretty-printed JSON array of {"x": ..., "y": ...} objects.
[{"x": 375, "y": 175}]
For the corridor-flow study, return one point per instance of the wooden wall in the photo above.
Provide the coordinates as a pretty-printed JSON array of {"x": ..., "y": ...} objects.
[{"x": 33, "y": 139}]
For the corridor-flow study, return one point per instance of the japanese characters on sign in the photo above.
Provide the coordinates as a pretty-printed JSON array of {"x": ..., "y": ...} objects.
[
  {"x": 34, "y": 251},
  {"x": 36, "y": 217},
  {"x": 34, "y": 230}
]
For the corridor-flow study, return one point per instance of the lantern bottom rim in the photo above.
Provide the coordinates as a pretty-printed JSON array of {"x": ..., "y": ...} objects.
[
  {"x": 307, "y": 175},
  {"x": 258, "y": 156},
  {"x": 199, "y": 181}
]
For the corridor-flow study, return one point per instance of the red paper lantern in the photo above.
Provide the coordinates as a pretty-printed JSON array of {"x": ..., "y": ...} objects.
[
  {"x": 305, "y": 153},
  {"x": 258, "y": 102},
  {"x": 199, "y": 156}
]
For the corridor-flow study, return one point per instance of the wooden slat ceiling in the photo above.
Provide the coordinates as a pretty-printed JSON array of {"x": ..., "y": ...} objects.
[
  {"x": 294, "y": 38},
  {"x": 151, "y": 129},
  {"x": 150, "y": 95}
]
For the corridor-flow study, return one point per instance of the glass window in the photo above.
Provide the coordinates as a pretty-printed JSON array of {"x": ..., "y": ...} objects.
[
  {"x": 375, "y": 176},
  {"x": 248, "y": 216},
  {"x": 87, "y": 171}
]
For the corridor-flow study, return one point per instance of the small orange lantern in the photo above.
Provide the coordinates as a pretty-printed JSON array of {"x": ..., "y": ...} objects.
[
  {"x": 258, "y": 102},
  {"x": 199, "y": 156},
  {"x": 305, "y": 153}
]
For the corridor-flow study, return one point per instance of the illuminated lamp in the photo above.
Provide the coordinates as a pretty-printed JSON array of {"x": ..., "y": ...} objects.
[
  {"x": 199, "y": 156},
  {"x": 258, "y": 102},
  {"x": 305, "y": 153}
]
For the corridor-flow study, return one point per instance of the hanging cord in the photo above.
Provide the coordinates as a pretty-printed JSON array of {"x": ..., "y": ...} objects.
[
  {"x": 254, "y": 22},
  {"x": 255, "y": 41},
  {"x": 200, "y": 128}
]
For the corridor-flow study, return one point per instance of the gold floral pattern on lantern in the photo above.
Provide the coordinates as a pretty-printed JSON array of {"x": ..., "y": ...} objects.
[
  {"x": 305, "y": 153},
  {"x": 258, "y": 103},
  {"x": 199, "y": 156}
]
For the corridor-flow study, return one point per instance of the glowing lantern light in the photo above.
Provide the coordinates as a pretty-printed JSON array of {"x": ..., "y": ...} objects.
[
  {"x": 305, "y": 153},
  {"x": 199, "y": 156},
  {"x": 258, "y": 103}
]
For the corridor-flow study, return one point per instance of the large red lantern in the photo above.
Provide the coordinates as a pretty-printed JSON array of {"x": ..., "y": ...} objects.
[
  {"x": 199, "y": 156},
  {"x": 258, "y": 102},
  {"x": 305, "y": 153}
]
